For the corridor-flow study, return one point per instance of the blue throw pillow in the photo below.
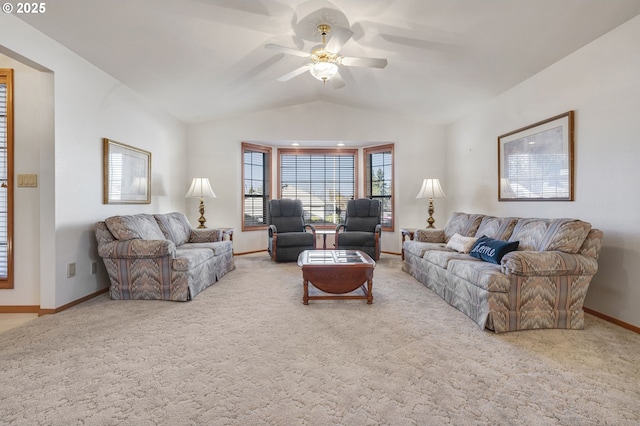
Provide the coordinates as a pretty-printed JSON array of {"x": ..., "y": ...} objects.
[{"x": 491, "y": 250}]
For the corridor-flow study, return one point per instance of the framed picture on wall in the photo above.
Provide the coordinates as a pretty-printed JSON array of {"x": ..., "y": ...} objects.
[
  {"x": 535, "y": 163},
  {"x": 127, "y": 174}
]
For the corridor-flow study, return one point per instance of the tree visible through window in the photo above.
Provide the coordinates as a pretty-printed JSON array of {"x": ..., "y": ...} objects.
[
  {"x": 379, "y": 176},
  {"x": 6, "y": 178},
  {"x": 256, "y": 183}
]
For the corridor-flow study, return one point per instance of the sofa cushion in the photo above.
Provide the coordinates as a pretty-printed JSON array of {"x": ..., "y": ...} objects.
[
  {"x": 499, "y": 228},
  {"x": 286, "y": 215},
  {"x": 139, "y": 226},
  {"x": 206, "y": 235},
  {"x": 295, "y": 239},
  {"x": 461, "y": 244},
  {"x": 218, "y": 247},
  {"x": 175, "y": 226},
  {"x": 442, "y": 258},
  {"x": 565, "y": 235},
  {"x": 363, "y": 215},
  {"x": 189, "y": 258},
  {"x": 491, "y": 250},
  {"x": 429, "y": 235},
  {"x": 418, "y": 248},
  {"x": 362, "y": 224},
  {"x": 356, "y": 239},
  {"x": 287, "y": 225},
  {"x": 481, "y": 274},
  {"x": 462, "y": 223}
]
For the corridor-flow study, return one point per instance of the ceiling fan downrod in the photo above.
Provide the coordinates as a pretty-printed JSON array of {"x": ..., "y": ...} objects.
[{"x": 324, "y": 29}]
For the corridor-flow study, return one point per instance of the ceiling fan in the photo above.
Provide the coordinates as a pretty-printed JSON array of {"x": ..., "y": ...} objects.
[{"x": 325, "y": 59}]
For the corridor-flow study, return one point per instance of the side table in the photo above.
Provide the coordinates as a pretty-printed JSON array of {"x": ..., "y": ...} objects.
[
  {"x": 227, "y": 232},
  {"x": 324, "y": 233},
  {"x": 406, "y": 232}
]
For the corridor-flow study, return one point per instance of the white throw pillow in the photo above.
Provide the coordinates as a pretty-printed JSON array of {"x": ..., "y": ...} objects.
[{"x": 460, "y": 243}]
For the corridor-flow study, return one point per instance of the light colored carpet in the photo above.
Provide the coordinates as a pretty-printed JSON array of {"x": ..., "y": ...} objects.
[
  {"x": 9, "y": 321},
  {"x": 247, "y": 352}
]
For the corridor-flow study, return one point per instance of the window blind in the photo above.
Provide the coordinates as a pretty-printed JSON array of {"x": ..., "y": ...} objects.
[
  {"x": 4, "y": 207},
  {"x": 323, "y": 181}
]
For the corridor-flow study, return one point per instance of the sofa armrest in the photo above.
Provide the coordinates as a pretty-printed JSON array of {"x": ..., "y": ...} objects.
[
  {"x": 429, "y": 235},
  {"x": 206, "y": 235},
  {"x": 137, "y": 249},
  {"x": 547, "y": 263}
]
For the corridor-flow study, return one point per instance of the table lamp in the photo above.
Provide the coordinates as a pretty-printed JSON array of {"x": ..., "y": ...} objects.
[
  {"x": 431, "y": 189},
  {"x": 201, "y": 188}
]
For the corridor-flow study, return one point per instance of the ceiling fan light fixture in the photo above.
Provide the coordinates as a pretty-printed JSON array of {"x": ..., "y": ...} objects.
[
  {"x": 325, "y": 59},
  {"x": 324, "y": 71}
]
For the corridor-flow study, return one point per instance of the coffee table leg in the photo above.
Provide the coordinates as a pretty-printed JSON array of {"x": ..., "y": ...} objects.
[
  {"x": 369, "y": 292},
  {"x": 305, "y": 297}
]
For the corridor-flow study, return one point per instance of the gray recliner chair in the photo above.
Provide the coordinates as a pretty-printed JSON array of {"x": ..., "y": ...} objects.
[
  {"x": 362, "y": 229},
  {"x": 288, "y": 236}
]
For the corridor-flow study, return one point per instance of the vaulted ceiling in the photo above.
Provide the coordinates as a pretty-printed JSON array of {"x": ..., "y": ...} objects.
[{"x": 205, "y": 59}]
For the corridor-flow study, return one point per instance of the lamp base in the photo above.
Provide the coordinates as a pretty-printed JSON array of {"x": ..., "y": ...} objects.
[
  {"x": 202, "y": 219},
  {"x": 431, "y": 220}
]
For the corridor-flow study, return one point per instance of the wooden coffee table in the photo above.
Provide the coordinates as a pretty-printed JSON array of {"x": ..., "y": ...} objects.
[{"x": 337, "y": 272}]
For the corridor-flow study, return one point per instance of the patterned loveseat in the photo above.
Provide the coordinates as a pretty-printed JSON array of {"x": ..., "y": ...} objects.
[
  {"x": 161, "y": 257},
  {"x": 542, "y": 284}
]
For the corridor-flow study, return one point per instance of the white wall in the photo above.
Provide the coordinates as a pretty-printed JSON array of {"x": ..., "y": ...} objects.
[
  {"x": 85, "y": 105},
  {"x": 600, "y": 83},
  {"x": 215, "y": 152},
  {"x": 33, "y": 126}
]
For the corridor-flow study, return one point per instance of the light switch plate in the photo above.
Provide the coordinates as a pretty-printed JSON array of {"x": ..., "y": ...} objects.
[{"x": 27, "y": 180}]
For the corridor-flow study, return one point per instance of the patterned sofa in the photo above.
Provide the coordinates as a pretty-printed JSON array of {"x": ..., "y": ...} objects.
[
  {"x": 161, "y": 257},
  {"x": 542, "y": 284}
]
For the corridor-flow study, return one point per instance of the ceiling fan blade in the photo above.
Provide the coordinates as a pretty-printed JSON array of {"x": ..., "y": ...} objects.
[
  {"x": 288, "y": 50},
  {"x": 337, "y": 82},
  {"x": 294, "y": 73},
  {"x": 363, "y": 62},
  {"x": 338, "y": 39}
]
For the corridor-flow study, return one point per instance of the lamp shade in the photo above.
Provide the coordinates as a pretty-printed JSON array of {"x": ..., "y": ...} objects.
[
  {"x": 200, "y": 188},
  {"x": 431, "y": 189}
]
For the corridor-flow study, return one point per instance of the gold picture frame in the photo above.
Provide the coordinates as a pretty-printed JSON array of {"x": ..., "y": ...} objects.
[
  {"x": 535, "y": 163},
  {"x": 127, "y": 174}
]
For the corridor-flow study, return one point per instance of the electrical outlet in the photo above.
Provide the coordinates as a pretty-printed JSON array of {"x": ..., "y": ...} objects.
[
  {"x": 94, "y": 268},
  {"x": 71, "y": 270}
]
